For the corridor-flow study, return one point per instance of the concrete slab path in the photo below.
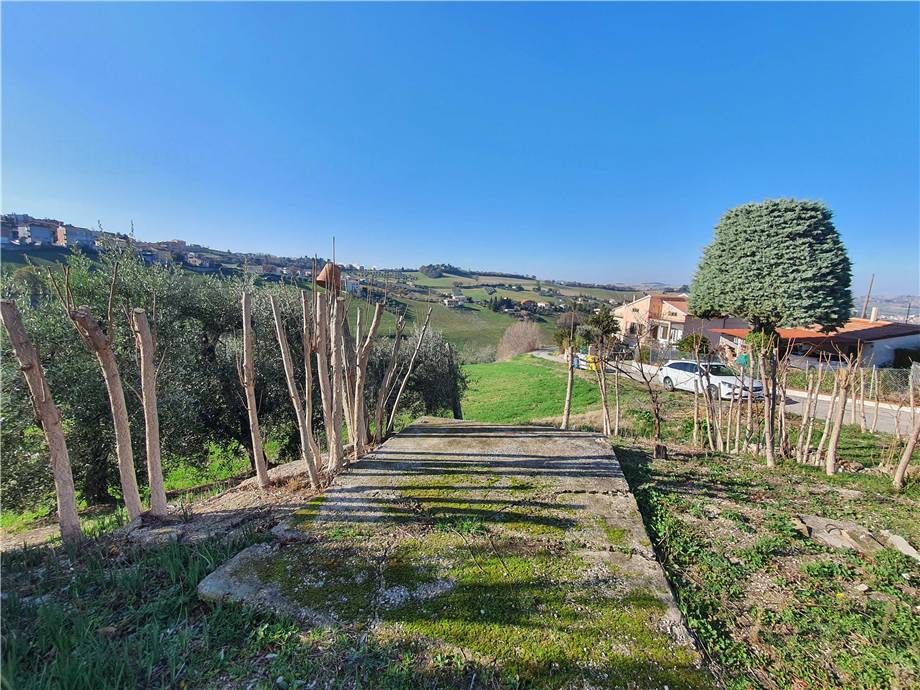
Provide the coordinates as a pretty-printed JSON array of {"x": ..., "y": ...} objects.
[{"x": 521, "y": 548}]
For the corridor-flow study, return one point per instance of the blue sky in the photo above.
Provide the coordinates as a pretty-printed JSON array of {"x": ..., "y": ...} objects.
[{"x": 597, "y": 142}]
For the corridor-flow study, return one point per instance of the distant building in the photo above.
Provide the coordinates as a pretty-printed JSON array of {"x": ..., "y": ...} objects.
[
  {"x": 73, "y": 236},
  {"x": 877, "y": 341},
  {"x": 666, "y": 319},
  {"x": 37, "y": 232},
  {"x": 455, "y": 301},
  {"x": 194, "y": 260},
  {"x": 7, "y": 232},
  {"x": 351, "y": 286}
]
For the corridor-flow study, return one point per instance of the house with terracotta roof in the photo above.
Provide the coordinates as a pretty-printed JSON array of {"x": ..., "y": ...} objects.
[
  {"x": 877, "y": 340},
  {"x": 665, "y": 318}
]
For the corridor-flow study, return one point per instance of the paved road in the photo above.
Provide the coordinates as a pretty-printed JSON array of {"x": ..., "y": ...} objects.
[{"x": 888, "y": 416}]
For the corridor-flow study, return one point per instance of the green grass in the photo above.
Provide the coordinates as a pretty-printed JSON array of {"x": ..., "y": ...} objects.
[
  {"x": 515, "y": 613},
  {"x": 521, "y": 390},
  {"x": 447, "y": 281},
  {"x": 470, "y": 328},
  {"x": 766, "y": 602},
  {"x": 12, "y": 522},
  {"x": 529, "y": 390},
  {"x": 223, "y": 464}
]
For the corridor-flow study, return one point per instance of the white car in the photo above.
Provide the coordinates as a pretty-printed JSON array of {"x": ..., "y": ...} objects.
[{"x": 687, "y": 376}]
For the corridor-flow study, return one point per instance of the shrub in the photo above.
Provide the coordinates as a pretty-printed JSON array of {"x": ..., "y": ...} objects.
[
  {"x": 693, "y": 343},
  {"x": 518, "y": 339}
]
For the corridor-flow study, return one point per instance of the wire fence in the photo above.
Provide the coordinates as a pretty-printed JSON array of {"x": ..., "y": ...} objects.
[{"x": 898, "y": 386}]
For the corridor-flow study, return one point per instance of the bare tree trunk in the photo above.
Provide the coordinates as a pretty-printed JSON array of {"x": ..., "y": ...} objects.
[
  {"x": 707, "y": 407},
  {"x": 769, "y": 398},
  {"x": 730, "y": 417},
  {"x": 720, "y": 441},
  {"x": 101, "y": 346},
  {"x": 862, "y": 399},
  {"x": 323, "y": 338},
  {"x": 336, "y": 450},
  {"x": 570, "y": 365},
  {"x": 146, "y": 347},
  {"x": 363, "y": 354},
  {"x": 616, "y": 400},
  {"x": 878, "y": 402},
  {"x": 749, "y": 415},
  {"x": 738, "y": 412},
  {"x": 49, "y": 418},
  {"x": 348, "y": 372},
  {"x": 811, "y": 423},
  {"x": 806, "y": 421},
  {"x": 303, "y": 424},
  {"x": 388, "y": 379},
  {"x": 906, "y": 455},
  {"x": 831, "y": 412},
  {"x": 402, "y": 386},
  {"x": 855, "y": 401},
  {"x": 696, "y": 415},
  {"x": 707, "y": 400},
  {"x": 248, "y": 376},
  {"x": 309, "y": 345},
  {"x": 783, "y": 427},
  {"x": 830, "y": 459},
  {"x": 601, "y": 374}
]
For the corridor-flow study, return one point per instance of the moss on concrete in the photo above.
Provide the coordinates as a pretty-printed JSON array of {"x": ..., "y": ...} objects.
[
  {"x": 524, "y": 609},
  {"x": 304, "y": 516},
  {"x": 615, "y": 535}
]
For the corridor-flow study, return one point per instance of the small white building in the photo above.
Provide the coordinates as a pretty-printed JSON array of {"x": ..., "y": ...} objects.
[
  {"x": 351, "y": 286},
  {"x": 455, "y": 301}
]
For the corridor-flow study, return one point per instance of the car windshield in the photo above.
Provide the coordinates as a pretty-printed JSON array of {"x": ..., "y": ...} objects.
[{"x": 720, "y": 370}]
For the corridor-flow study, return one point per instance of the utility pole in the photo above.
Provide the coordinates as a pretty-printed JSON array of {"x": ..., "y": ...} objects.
[{"x": 868, "y": 295}]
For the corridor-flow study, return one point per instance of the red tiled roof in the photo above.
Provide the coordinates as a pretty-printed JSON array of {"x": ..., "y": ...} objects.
[{"x": 852, "y": 332}]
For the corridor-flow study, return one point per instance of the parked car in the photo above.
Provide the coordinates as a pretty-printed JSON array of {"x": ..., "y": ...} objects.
[{"x": 722, "y": 381}]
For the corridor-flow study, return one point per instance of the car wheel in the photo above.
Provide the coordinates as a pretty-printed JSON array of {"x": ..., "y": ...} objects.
[
  {"x": 714, "y": 392},
  {"x": 668, "y": 384}
]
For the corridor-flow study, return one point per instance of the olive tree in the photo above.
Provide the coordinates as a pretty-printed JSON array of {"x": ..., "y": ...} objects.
[{"x": 777, "y": 263}]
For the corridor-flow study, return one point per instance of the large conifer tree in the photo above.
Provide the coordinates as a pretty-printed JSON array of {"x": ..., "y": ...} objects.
[{"x": 776, "y": 263}]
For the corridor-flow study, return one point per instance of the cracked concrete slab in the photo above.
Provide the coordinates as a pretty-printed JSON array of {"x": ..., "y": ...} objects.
[{"x": 522, "y": 546}]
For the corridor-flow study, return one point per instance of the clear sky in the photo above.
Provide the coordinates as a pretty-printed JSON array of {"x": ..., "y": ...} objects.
[{"x": 598, "y": 142}]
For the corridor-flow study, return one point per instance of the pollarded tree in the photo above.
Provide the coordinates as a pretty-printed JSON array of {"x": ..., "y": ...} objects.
[{"x": 777, "y": 263}]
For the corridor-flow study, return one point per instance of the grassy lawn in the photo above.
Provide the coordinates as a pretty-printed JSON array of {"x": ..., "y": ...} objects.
[
  {"x": 469, "y": 328},
  {"x": 532, "y": 390},
  {"x": 447, "y": 281},
  {"x": 522, "y": 390}
]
